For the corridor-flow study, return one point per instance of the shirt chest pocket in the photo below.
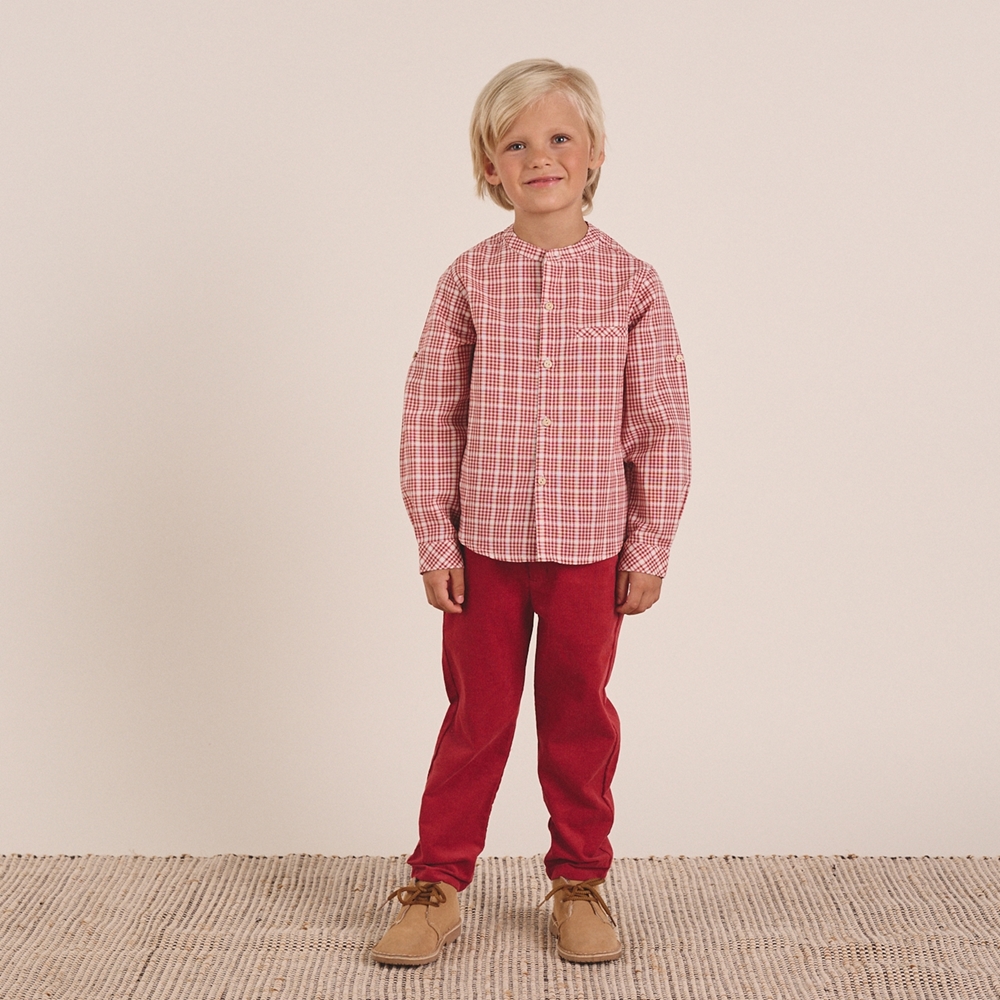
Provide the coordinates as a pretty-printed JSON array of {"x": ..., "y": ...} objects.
[{"x": 596, "y": 355}]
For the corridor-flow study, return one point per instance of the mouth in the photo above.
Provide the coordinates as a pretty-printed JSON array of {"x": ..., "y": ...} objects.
[{"x": 544, "y": 181}]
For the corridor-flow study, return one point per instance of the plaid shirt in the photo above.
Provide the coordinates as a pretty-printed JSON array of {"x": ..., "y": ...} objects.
[{"x": 545, "y": 416}]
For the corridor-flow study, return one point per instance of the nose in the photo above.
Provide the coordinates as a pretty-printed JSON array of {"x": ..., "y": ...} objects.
[{"x": 539, "y": 158}]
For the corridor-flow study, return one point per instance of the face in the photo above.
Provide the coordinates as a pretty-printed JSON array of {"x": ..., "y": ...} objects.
[{"x": 543, "y": 159}]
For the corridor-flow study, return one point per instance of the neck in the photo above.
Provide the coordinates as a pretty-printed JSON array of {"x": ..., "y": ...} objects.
[{"x": 550, "y": 231}]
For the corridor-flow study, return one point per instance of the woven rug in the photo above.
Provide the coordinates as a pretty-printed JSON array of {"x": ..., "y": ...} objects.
[{"x": 720, "y": 928}]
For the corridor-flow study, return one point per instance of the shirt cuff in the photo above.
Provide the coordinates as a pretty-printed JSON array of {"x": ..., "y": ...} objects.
[
  {"x": 442, "y": 553},
  {"x": 640, "y": 557}
]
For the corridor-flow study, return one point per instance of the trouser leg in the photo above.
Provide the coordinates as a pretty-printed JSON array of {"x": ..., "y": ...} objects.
[
  {"x": 485, "y": 651},
  {"x": 578, "y": 727}
]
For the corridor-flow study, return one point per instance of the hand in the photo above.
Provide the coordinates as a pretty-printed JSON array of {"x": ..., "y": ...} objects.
[
  {"x": 635, "y": 592},
  {"x": 445, "y": 589}
]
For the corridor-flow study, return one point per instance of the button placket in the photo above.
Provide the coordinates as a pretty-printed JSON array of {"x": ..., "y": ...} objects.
[{"x": 548, "y": 316}]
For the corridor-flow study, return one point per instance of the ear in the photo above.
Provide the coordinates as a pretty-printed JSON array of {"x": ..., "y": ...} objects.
[
  {"x": 492, "y": 177},
  {"x": 596, "y": 159}
]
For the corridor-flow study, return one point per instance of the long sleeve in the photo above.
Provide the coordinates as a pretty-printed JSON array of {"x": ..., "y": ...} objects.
[
  {"x": 656, "y": 432},
  {"x": 435, "y": 425}
]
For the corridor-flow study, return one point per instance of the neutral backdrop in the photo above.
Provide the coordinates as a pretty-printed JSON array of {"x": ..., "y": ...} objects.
[{"x": 221, "y": 227}]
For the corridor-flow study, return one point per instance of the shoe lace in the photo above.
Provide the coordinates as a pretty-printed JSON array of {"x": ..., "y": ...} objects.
[
  {"x": 585, "y": 892},
  {"x": 418, "y": 894}
]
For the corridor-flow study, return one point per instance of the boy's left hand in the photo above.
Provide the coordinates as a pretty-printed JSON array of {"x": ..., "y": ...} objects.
[{"x": 635, "y": 592}]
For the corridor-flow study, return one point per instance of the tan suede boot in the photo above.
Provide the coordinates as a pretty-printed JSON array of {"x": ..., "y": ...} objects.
[
  {"x": 428, "y": 921},
  {"x": 582, "y": 922}
]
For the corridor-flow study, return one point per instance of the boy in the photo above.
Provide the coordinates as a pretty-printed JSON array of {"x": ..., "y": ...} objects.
[{"x": 545, "y": 465}]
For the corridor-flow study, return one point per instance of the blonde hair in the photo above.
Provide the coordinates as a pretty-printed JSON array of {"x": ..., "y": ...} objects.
[{"x": 511, "y": 91}]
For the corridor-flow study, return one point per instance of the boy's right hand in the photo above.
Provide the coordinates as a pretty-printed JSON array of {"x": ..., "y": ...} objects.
[{"x": 445, "y": 588}]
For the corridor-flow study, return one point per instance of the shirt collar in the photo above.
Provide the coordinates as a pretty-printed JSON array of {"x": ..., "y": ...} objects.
[{"x": 514, "y": 242}]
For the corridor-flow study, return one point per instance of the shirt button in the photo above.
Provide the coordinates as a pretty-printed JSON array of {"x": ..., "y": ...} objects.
[
  {"x": 546, "y": 363},
  {"x": 541, "y": 480},
  {"x": 549, "y": 305},
  {"x": 679, "y": 357},
  {"x": 546, "y": 422}
]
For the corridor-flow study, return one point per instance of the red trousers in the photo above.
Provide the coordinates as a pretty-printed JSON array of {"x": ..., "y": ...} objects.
[{"x": 485, "y": 654}]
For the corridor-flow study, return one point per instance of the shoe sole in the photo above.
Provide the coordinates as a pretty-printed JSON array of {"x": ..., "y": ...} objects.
[
  {"x": 569, "y": 956},
  {"x": 419, "y": 959}
]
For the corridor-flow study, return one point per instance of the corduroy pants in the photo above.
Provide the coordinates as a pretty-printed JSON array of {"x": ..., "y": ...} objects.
[{"x": 485, "y": 655}]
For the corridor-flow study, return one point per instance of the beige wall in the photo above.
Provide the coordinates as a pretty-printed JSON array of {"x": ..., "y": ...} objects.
[{"x": 222, "y": 224}]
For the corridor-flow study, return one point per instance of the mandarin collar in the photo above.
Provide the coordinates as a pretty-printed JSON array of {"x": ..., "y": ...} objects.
[{"x": 514, "y": 242}]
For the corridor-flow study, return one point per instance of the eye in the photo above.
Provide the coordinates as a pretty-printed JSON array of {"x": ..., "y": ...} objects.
[
  {"x": 560, "y": 138},
  {"x": 513, "y": 144}
]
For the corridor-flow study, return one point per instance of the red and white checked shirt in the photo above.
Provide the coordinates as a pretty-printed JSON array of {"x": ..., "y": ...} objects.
[{"x": 545, "y": 416}]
